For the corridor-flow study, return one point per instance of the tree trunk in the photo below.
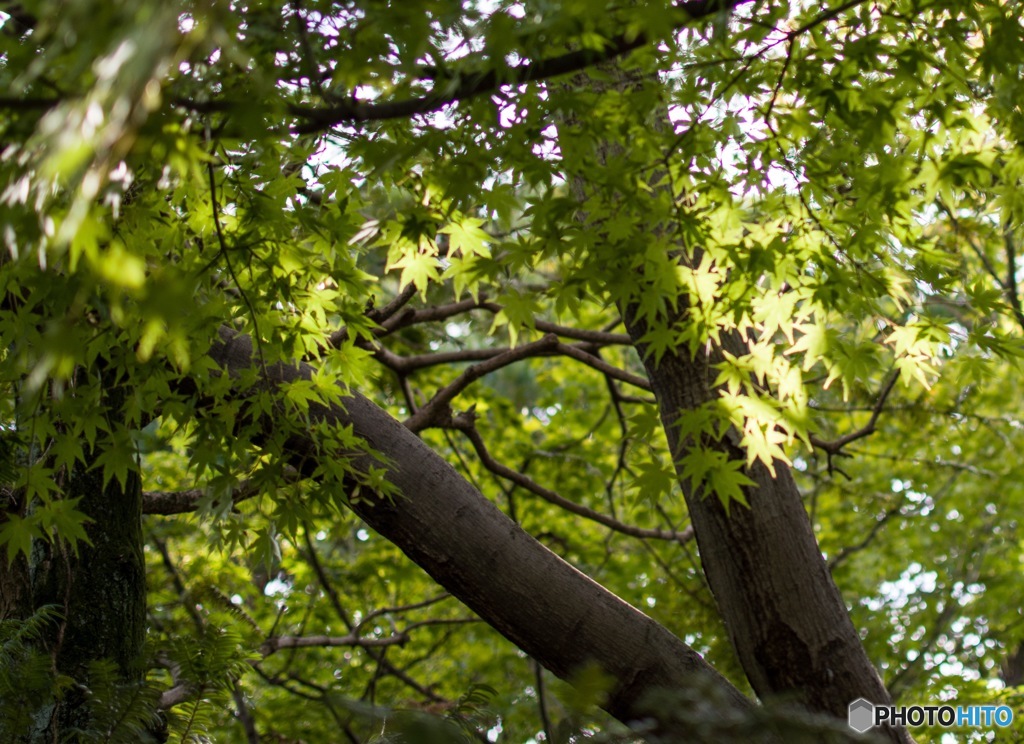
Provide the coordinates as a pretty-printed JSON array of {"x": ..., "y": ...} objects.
[
  {"x": 785, "y": 616},
  {"x": 99, "y": 590},
  {"x": 546, "y": 607}
]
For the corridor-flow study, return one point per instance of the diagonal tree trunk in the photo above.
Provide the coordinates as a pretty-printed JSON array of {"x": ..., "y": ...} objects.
[{"x": 546, "y": 607}]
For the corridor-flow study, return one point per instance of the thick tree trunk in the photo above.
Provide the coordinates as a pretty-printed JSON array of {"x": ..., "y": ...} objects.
[
  {"x": 531, "y": 596},
  {"x": 102, "y": 590},
  {"x": 99, "y": 590},
  {"x": 786, "y": 618}
]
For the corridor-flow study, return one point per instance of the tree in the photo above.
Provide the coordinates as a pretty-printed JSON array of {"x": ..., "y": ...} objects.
[{"x": 707, "y": 307}]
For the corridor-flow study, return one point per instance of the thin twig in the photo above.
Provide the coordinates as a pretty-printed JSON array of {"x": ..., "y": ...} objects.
[
  {"x": 276, "y": 643},
  {"x": 1010, "y": 286},
  {"x": 834, "y": 447},
  {"x": 438, "y": 407},
  {"x": 464, "y": 422}
]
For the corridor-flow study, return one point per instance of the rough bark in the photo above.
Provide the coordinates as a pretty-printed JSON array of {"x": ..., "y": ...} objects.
[
  {"x": 786, "y": 618},
  {"x": 104, "y": 585},
  {"x": 99, "y": 589},
  {"x": 1012, "y": 671},
  {"x": 546, "y": 607}
]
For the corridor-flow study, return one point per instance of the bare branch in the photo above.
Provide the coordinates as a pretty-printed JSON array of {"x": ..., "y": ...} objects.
[
  {"x": 602, "y": 366},
  {"x": 466, "y": 86},
  {"x": 542, "y": 705},
  {"x": 401, "y": 300},
  {"x": 167, "y": 503},
  {"x": 1010, "y": 286},
  {"x": 409, "y": 316},
  {"x": 181, "y": 502},
  {"x": 180, "y": 692},
  {"x": 377, "y": 654},
  {"x": 433, "y": 412},
  {"x": 174, "y": 696},
  {"x": 402, "y": 608},
  {"x": 834, "y": 447},
  {"x": 405, "y": 364},
  {"x": 547, "y": 346},
  {"x": 876, "y": 528},
  {"x": 599, "y": 338},
  {"x": 244, "y": 715},
  {"x": 272, "y": 645},
  {"x": 465, "y": 423}
]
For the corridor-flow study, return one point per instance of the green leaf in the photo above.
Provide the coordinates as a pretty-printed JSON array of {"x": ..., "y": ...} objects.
[{"x": 17, "y": 534}]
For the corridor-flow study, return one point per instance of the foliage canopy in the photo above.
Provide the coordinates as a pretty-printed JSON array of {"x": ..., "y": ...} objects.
[{"x": 449, "y": 207}]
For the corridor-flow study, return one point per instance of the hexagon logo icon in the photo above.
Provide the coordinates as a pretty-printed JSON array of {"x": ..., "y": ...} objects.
[{"x": 861, "y": 716}]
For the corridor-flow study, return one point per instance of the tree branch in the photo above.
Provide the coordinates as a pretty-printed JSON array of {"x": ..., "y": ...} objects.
[
  {"x": 372, "y": 615},
  {"x": 466, "y": 86},
  {"x": 410, "y": 316},
  {"x": 1010, "y": 286},
  {"x": 465, "y": 422},
  {"x": 400, "y": 300},
  {"x": 377, "y": 654},
  {"x": 876, "y": 528},
  {"x": 602, "y": 366},
  {"x": 276, "y": 643},
  {"x": 449, "y": 89},
  {"x": 834, "y": 447},
  {"x": 434, "y": 411},
  {"x": 539, "y": 602},
  {"x": 403, "y": 365},
  {"x": 167, "y": 503}
]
